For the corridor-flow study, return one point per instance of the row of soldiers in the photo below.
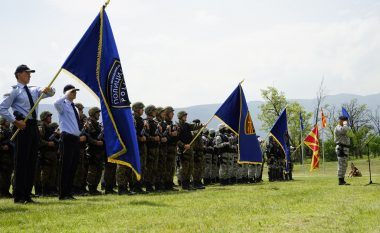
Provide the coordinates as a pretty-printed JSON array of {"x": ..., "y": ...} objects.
[{"x": 164, "y": 147}]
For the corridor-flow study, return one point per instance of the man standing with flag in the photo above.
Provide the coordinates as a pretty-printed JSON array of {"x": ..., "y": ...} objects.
[
  {"x": 22, "y": 99},
  {"x": 342, "y": 148}
]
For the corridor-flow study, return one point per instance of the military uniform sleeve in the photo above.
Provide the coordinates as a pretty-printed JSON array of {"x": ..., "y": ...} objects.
[
  {"x": 90, "y": 139},
  {"x": 43, "y": 142}
]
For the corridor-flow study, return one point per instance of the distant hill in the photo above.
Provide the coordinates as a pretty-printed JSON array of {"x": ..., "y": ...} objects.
[{"x": 204, "y": 112}]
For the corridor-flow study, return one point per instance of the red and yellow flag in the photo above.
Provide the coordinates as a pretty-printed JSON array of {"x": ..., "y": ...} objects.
[
  {"x": 323, "y": 120},
  {"x": 312, "y": 142}
]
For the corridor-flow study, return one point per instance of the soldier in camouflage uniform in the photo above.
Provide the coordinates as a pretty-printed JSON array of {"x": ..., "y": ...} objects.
[
  {"x": 163, "y": 151},
  {"x": 124, "y": 174},
  {"x": 186, "y": 154},
  {"x": 48, "y": 155},
  {"x": 342, "y": 148},
  {"x": 153, "y": 142},
  {"x": 215, "y": 159},
  {"x": 79, "y": 186},
  {"x": 95, "y": 151},
  {"x": 171, "y": 149},
  {"x": 271, "y": 151},
  {"x": 209, "y": 150},
  {"x": 222, "y": 143},
  {"x": 199, "y": 166},
  {"x": 234, "y": 157},
  {"x": 6, "y": 158}
]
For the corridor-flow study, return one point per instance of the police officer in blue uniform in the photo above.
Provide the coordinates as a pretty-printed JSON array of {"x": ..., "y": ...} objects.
[{"x": 22, "y": 99}]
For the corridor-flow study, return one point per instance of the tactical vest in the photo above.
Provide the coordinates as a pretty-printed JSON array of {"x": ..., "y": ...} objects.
[
  {"x": 152, "y": 132},
  {"x": 185, "y": 135}
]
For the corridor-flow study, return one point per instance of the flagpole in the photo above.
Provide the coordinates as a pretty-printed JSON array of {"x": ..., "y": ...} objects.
[
  {"x": 323, "y": 150},
  {"x": 302, "y": 153},
  {"x": 36, "y": 104}
]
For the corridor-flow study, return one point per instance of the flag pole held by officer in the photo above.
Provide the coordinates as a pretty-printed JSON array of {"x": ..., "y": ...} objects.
[{"x": 23, "y": 100}]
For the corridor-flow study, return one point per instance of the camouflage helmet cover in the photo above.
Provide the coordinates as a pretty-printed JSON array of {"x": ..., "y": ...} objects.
[
  {"x": 138, "y": 105},
  {"x": 44, "y": 115},
  {"x": 150, "y": 109},
  {"x": 160, "y": 110},
  {"x": 93, "y": 110},
  {"x": 168, "y": 109},
  {"x": 79, "y": 106},
  {"x": 180, "y": 114}
]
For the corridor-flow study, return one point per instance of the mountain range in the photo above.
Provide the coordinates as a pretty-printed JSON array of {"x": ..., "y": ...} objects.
[{"x": 206, "y": 111}]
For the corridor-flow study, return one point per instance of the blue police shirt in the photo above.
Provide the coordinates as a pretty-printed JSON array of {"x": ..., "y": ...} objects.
[
  {"x": 67, "y": 120},
  {"x": 18, "y": 100}
]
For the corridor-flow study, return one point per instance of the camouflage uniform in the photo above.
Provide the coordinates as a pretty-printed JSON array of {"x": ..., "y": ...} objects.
[
  {"x": 95, "y": 153},
  {"x": 126, "y": 182},
  {"x": 153, "y": 142},
  {"x": 163, "y": 149},
  {"x": 342, "y": 148},
  {"x": 186, "y": 156},
  {"x": 48, "y": 155},
  {"x": 199, "y": 165},
  {"x": 215, "y": 160},
  {"x": 79, "y": 185},
  {"x": 234, "y": 158},
  {"x": 209, "y": 151},
  {"x": 6, "y": 158},
  {"x": 223, "y": 145},
  {"x": 171, "y": 150}
]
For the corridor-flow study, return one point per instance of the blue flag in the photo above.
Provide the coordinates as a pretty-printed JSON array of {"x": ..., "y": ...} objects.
[
  {"x": 279, "y": 132},
  {"x": 95, "y": 61},
  {"x": 345, "y": 113},
  {"x": 301, "y": 121},
  {"x": 235, "y": 114}
]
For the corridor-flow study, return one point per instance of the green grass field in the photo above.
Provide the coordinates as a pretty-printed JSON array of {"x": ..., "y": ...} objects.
[{"x": 311, "y": 203}]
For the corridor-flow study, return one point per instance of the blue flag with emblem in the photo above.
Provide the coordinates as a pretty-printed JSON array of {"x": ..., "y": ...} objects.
[
  {"x": 280, "y": 134},
  {"x": 235, "y": 114},
  {"x": 95, "y": 61}
]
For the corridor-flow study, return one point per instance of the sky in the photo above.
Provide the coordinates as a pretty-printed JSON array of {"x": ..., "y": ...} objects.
[{"x": 185, "y": 53}]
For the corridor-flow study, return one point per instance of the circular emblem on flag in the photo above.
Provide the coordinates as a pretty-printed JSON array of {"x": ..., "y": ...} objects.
[{"x": 117, "y": 94}]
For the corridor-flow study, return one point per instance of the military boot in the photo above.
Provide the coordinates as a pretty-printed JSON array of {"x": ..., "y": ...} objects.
[
  {"x": 138, "y": 189},
  {"x": 93, "y": 191},
  {"x": 198, "y": 185},
  {"x": 149, "y": 187},
  {"x": 121, "y": 190},
  {"x": 169, "y": 186},
  {"x": 109, "y": 190},
  {"x": 342, "y": 182}
]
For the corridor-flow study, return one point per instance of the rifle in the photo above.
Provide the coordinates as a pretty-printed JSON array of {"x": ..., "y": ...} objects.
[{"x": 101, "y": 134}]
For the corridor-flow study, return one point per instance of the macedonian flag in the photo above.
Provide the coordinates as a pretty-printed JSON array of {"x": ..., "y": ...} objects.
[{"x": 312, "y": 142}]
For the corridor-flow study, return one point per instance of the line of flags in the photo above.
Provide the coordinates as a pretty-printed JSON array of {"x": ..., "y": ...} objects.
[{"x": 96, "y": 62}]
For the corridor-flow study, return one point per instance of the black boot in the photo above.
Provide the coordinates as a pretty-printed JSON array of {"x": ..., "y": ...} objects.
[
  {"x": 170, "y": 187},
  {"x": 149, "y": 187},
  {"x": 342, "y": 182},
  {"x": 109, "y": 190},
  {"x": 93, "y": 191},
  {"x": 198, "y": 185},
  {"x": 121, "y": 190},
  {"x": 138, "y": 189}
]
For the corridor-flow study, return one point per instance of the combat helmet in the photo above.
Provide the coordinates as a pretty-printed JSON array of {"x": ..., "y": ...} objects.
[
  {"x": 150, "y": 109},
  {"x": 44, "y": 115},
  {"x": 138, "y": 105},
  {"x": 159, "y": 110},
  {"x": 180, "y": 114},
  {"x": 92, "y": 111},
  {"x": 79, "y": 106}
]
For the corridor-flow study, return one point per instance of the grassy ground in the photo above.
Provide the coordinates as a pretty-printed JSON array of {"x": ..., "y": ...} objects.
[{"x": 311, "y": 203}]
